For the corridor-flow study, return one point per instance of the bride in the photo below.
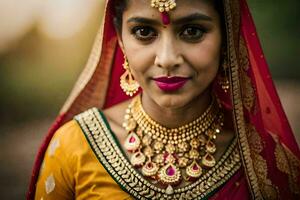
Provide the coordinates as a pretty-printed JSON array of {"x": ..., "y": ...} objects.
[{"x": 176, "y": 102}]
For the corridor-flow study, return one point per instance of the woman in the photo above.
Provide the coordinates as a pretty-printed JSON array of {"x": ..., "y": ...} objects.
[{"x": 206, "y": 123}]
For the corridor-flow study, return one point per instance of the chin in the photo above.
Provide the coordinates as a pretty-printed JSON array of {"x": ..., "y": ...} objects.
[{"x": 172, "y": 101}]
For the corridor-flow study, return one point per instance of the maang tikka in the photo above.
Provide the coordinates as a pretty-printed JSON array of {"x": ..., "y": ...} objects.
[
  {"x": 127, "y": 82},
  {"x": 163, "y": 5}
]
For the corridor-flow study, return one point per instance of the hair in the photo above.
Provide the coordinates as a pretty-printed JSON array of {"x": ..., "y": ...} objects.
[{"x": 121, "y": 5}]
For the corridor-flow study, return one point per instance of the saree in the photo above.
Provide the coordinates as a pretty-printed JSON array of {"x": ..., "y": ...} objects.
[{"x": 268, "y": 149}]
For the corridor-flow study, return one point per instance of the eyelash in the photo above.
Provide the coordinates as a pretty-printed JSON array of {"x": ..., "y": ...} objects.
[
  {"x": 191, "y": 38},
  {"x": 152, "y": 33},
  {"x": 136, "y": 29}
]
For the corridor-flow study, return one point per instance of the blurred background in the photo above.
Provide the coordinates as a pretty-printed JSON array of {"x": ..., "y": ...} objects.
[{"x": 45, "y": 44}]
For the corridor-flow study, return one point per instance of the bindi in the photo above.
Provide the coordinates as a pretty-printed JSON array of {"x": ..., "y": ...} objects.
[{"x": 165, "y": 17}]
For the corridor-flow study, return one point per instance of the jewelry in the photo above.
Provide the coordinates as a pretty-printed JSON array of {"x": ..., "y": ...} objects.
[
  {"x": 224, "y": 82},
  {"x": 127, "y": 83},
  {"x": 163, "y": 5},
  {"x": 108, "y": 152},
  {"x": 170, "y": 155},
  {"x": 223, "y": 79}
]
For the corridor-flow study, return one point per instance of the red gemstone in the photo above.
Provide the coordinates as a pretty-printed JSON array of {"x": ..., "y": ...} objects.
[
  {"x": 170, "y": 171},
  {"x": 165, "y": 18},
  {"x": 131, "y": 139},
  {"x": 195, "y": 167}
]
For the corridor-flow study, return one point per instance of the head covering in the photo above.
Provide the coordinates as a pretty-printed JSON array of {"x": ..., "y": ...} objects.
[{"x": 269, "y": 151}]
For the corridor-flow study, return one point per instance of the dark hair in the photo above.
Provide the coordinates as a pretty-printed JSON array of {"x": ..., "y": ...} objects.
[{"x": 121, "y": 5}]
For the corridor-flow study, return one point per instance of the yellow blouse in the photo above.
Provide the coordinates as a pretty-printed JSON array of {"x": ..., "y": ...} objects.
[{"x": 71, "y": 170}]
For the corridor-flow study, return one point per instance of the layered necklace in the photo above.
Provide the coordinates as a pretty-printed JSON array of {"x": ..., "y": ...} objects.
[{"x": 170, "y": 155}]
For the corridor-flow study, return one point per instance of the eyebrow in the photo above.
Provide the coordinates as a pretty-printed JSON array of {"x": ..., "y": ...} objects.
[{"x": 182, "y": 20}]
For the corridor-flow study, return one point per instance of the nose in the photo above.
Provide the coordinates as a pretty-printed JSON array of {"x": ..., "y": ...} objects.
[{"x": 168, "y": 54}]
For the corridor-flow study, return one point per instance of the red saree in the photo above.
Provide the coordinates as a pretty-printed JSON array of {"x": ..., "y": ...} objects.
[{"x": 270, "y": 154}]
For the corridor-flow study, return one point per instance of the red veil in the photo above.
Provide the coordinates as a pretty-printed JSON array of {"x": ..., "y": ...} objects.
[{"x": 268, "y": 148}]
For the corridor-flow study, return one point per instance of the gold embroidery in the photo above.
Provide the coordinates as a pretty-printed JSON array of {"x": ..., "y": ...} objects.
[
  {"x": 232, "y": 19},
  {"x": 112, "y": 158},
  {"x": 281, "y": 159},
  {"x": 289, "y": 164},
  {"x": 247, "y": 90},
  {"x": 243, "y": 57},
  {"x": 269, "y": 191}
]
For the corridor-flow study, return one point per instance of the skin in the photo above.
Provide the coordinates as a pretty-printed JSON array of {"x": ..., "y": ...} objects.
[
  {"x": 186, "y": 48},
  {"x": 157, "y": 50}
]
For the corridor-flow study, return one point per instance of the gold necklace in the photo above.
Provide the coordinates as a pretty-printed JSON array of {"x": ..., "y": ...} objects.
[{"x": 172, "y": 154}]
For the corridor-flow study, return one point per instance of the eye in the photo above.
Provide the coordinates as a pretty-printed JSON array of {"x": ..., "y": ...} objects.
[
  {"x": 144, "y": 33},
  {"x": 192, "y": 33}
]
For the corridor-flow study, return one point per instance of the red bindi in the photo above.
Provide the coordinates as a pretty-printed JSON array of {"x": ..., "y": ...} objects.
[{"x": 165, "y": 18}]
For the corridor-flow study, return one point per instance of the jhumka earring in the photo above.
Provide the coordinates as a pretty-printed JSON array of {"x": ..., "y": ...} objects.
[
  {"x": 127, "y": 83},
  {"x": 224, "y": 79}
]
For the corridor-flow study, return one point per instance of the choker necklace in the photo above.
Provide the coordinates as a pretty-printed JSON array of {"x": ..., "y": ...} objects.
[{"x": 170, "y": 155}]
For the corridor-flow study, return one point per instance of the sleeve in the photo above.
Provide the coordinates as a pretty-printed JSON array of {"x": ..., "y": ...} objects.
[{"x": 56, "y": 180}]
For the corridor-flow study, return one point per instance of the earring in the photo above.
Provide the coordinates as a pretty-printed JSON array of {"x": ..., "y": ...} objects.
[
  {"x": 224, "y": 79},
  {"x": 127, "y": 83}
]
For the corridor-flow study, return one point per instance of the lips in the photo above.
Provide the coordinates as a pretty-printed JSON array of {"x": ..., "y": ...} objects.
[{"x": 169, "y": 84}]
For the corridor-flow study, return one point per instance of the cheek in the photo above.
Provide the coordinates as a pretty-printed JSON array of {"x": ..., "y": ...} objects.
[
  {"x": 205, "y": 57},
  {"x": 139, "y": 56}
]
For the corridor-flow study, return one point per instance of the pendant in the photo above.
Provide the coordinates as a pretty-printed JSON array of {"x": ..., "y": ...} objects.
[
  {"x": 210, "y": 147},
  {"x": 138, "y": 159},
  {"x": 183, "y": 162},
  {"x": 208, "y": 160},
  {"x": 159, "y": 159},
  {"x": 132, "y": 142},
  {"x": 158, "y": 146},
  {"x": 169, "y": 174},
  {"x": 150, "y": 169},
  {"x": 183, "y": 147},
  {"x": 194, "y": 170},
  {"x": 169, "y": 190}
]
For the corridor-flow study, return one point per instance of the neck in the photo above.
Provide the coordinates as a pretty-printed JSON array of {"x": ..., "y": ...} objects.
[{"x": 175, "y": 117}]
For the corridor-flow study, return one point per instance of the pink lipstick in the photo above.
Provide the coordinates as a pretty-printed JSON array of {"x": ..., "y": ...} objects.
[{"x": 170, "y": 84}]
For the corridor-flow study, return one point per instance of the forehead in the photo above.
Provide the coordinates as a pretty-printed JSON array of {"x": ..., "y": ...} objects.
[{"x": 142, "y": 8}]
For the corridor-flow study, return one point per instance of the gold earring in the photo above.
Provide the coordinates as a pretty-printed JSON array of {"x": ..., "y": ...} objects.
[
  {"x": 127, "y": 83},
  {"x": 224, "y": 79}
]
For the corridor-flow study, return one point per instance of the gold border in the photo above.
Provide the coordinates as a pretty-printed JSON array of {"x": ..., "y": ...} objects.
[{"x": 238, "y": 113}]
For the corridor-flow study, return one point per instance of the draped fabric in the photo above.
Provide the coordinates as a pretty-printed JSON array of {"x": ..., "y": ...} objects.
[{"x": 269, "y": 150}]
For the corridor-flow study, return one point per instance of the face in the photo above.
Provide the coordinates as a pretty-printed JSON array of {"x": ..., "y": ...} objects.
[{"x": 175, "y": 63}]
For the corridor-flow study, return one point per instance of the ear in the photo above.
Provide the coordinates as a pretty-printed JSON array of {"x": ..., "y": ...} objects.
[{"x": 120, "y": 41}]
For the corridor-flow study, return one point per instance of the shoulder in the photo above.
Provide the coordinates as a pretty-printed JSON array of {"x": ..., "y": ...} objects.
[{"x": 69, "y": 134}]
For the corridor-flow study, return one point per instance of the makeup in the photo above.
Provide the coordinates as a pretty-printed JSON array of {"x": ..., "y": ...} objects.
[
  {"x": 165, "y": 18},
  {"x": 170, "y": 84}
]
